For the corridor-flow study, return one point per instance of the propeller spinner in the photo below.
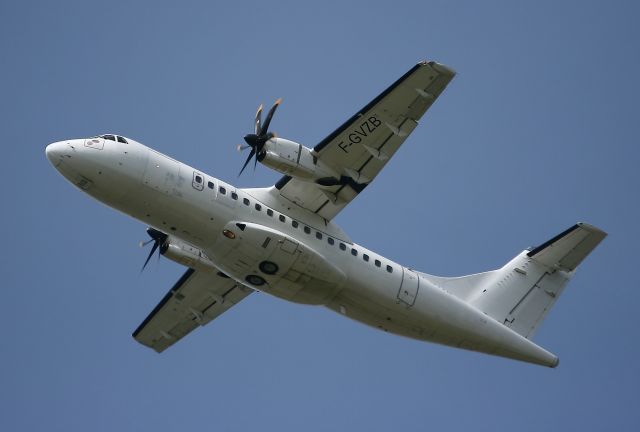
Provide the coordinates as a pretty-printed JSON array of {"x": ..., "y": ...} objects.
[{"x": 261, "y": 135}]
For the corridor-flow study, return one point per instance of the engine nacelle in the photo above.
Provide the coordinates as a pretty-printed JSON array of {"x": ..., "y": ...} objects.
[
  {"x": 295, "y": 160},
  {"x": 186, "y": 254}
]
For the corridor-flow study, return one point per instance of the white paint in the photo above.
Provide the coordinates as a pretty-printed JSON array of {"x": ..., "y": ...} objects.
[{"x": 493, "y": 312}]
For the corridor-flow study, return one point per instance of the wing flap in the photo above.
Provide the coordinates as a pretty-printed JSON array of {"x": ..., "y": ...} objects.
[{"x": 195, "y": 300}]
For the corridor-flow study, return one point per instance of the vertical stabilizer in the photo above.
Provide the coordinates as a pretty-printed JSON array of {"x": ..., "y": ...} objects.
[
  {"x": 527, "y": 287},
  {"x": 521, "y": 293}
]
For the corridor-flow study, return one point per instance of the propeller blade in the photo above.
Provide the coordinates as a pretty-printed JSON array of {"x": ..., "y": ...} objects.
[
  {"x": 257, "y": 129},
  {"x": 153, "y": 249},
  {"x": 267, "y": 122},
  {"x": 259, "y": 138},
  {"x": 242, "y": 148},
  {"x": 159, "y": 241},
  {"x": 253, "y": 151}
]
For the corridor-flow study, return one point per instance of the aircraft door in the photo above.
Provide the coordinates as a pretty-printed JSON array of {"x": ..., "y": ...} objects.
[{"x": 408, "y": 287}]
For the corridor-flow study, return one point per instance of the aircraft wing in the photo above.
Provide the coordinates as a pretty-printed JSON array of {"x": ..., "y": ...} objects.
[
  {"x": 362, "y": 146},
  {"x": 195, "y": 300}
]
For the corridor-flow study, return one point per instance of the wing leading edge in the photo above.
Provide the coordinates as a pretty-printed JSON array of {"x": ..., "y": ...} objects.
[
  {"x": 362, "y": 145},
  {"x": 195, "y": 300}
]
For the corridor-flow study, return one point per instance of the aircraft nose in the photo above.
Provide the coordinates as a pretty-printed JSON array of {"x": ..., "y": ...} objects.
[{"x": 54, "y": 153}]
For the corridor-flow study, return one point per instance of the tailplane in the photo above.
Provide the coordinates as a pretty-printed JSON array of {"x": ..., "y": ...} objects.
[{"x": 521, "y": 293}]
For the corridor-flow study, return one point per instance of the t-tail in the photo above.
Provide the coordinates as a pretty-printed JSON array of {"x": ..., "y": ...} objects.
[{"x": 520, "y": 294}]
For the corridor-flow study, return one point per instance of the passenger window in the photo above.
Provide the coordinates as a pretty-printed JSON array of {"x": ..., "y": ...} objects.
[
  {"x": 343, "y": 246},
  {"x": 354, "y": 252},
  {"x": 234, "y": 195},
  {"x": 246, "y": 201},
  {"x": 390, "y": 269},
  {"x": 282, "y": 218},
  {"x": 198, "y": 181},
  {"x": 307, "y": 230},
  {"x": 270, "y": 212},
  {"x": 294, "y": 224},
  {"x": 378, "y": 263},
  {"x": 210, "y": 185},
  {"x": 258, "y": 207},
  {"x": 122, "y": 140},
  {"x": 365, "y": 257},
  {"x": 222, "y": 190},
  {"x": 330, "y": 240},
  {"x": 319, "y": 236}
]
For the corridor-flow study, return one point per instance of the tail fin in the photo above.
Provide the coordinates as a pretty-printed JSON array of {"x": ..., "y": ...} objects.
[
  {"x": 521, "y": 293},
  {"x": 567, "y": 250}
]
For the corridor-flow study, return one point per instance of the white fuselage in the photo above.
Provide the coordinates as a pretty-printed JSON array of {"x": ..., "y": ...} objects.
[{"x": 317, "y": 263}]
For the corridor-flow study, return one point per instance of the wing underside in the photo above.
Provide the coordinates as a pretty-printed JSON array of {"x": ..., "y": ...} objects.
[
  {"x": 195, "y": 300},
  {"x": 362, "y": 146}
]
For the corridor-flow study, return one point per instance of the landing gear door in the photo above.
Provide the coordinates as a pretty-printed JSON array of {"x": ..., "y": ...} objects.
[
  {"x": 284, "y": 254},
  {"x": 408, "y": 287}
]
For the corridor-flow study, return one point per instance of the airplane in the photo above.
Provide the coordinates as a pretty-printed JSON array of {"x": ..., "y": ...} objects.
[{"x": 281, "y": 240}]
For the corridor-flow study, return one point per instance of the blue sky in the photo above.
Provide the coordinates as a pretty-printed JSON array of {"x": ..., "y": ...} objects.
[{"x": 539, "y": 130}]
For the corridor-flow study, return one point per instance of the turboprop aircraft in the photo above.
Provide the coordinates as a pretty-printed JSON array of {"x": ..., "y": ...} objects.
[{"x": 281, "y": 240}]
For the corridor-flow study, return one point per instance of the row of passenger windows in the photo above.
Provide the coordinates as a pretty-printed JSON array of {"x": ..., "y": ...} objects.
[{"x": 295, "y": 224}]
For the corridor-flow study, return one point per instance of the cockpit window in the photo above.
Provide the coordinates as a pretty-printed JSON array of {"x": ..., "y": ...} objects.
[{"x": 115, "y": 138}]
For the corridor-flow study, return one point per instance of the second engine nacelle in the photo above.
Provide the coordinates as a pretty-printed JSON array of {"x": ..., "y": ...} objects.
[
  {"x": 295, "y": 160},
  {"x": 186, "y": 254}
]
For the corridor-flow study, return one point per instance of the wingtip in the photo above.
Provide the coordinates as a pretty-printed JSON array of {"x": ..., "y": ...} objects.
[
  {"x": 443, "y": 69},
  {"x": 592, "y": 228}
]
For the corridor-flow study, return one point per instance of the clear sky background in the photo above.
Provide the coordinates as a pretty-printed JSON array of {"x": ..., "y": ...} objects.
[{"x": 538, "y": 130}]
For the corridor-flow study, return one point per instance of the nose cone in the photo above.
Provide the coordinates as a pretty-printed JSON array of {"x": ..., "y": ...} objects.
[{"x": 55, "y": 152}]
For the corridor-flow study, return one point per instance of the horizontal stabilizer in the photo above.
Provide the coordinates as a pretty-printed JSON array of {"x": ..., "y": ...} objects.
[{"x": 567, "y": 250}]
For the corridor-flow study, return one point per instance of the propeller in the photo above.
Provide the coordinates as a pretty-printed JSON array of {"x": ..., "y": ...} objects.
[
  {"x": 159, "y": 242},
  {"x": 256, "y": 140}
]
